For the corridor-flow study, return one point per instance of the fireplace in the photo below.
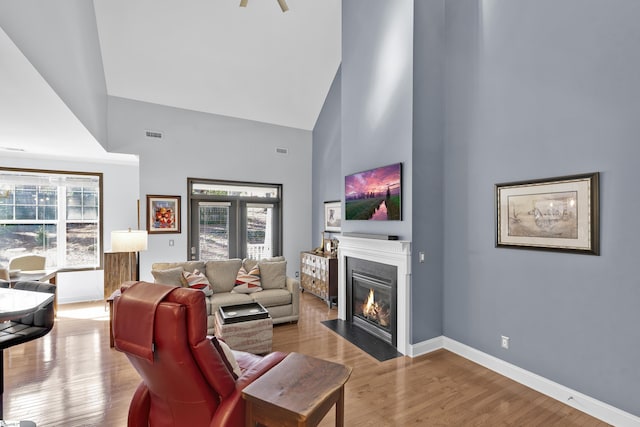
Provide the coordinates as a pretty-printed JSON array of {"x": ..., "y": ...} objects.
[
  {"x": 371, "y": 298},
  {"x": 394, "y": 255}
]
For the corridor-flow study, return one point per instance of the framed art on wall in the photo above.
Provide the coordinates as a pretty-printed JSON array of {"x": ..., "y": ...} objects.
[
  {"x": 332, "y": 216},
  {"x": 558, "y": 214},
  {"x": 163, "y": 214},
  {"x": 374, "y": 194}
]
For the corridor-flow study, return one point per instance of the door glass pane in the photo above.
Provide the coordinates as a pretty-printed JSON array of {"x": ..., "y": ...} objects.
[
  {"x": 259, "y": 231},
  {"x": 234, "y": 190},
  {"x": 214, "y": 232}
]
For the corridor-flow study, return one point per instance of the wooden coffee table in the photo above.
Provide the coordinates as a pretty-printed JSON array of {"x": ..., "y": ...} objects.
[{"x": 299, "y": 391}]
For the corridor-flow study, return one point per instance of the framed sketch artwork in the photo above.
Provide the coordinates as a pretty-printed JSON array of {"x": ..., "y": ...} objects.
[
  {"x": 558, "y": 214},
  {"x": 332, "y": 216}
]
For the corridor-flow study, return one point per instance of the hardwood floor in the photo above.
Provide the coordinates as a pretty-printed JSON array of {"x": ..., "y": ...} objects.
[{"x": 72, "y": 378}]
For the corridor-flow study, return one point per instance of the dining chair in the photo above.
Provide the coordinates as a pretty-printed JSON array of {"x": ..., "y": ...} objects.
[
  {"x": 4, "y": 274},
  {"x": 28, "y": 263}
]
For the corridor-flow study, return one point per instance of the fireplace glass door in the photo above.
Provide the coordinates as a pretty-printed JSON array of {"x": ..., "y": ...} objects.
[{"x": 373, "y": 303}]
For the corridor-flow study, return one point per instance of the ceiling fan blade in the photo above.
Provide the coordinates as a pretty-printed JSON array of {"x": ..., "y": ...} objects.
[{"x": 283, "y": 5}]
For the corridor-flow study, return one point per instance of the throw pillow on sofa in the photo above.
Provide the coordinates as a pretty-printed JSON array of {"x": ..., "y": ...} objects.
[
  {"x": 249, "y": 263},
  {"x": 273, "y": 274},
  {"x": 222, "y": 274},
  {"x": 197, "y": 280},
  {"x": 186, "y": 265},
  {"x": 247, "y": 283},
  {"x": 170, "y": 276}
]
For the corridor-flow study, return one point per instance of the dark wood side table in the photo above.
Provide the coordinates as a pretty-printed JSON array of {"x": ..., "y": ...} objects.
[{"x": 299, "y": 391}]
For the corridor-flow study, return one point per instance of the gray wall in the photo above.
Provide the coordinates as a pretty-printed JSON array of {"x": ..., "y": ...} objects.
[
  {"x": 377, "y": 82},
  {"x": 505, "y": 91},
  {"x": 541, "y": 89},
  {"x": 60, "y": 39},
  {"x": 200, "y": 145},
  {"x": 428, "y": 164},
  {"x": 327, "y": 179}
]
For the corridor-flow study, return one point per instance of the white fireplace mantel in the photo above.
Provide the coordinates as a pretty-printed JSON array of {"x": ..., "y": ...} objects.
[{"x": 390, "y": 252}]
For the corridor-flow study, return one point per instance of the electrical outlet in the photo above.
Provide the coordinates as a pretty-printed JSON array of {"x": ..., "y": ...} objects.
[
  {"x": 171, "y": 242},
  {"x": 505, "y": 342},
  {"x": 297, "y": 274}
]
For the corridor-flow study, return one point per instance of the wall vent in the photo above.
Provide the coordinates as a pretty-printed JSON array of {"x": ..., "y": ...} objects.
[
  {"x": 153, "y": 134},
  {"x": 282, "y": 150}
]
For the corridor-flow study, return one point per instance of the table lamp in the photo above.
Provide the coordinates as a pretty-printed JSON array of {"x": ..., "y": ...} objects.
[{"x": 129, "y": 241}]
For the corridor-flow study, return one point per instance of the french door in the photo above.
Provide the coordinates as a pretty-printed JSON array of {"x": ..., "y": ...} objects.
[{"x": 233, "y": 228}]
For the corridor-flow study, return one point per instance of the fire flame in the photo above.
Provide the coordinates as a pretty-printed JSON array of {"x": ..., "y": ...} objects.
[
  {"x": 373, "y": 310},
  {"x": 369, "y": 304}
]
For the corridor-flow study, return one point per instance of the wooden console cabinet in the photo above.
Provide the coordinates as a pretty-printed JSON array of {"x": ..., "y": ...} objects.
[
  {"x": 319, "y": 275},
  {"x": 118, "y": 267}
]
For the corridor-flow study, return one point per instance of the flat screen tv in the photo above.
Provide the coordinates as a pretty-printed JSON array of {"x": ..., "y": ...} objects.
[{"x": 374, "y": 194}]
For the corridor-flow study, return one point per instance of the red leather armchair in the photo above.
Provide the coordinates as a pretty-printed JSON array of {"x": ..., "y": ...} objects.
[{"x": 185, "y": 382}]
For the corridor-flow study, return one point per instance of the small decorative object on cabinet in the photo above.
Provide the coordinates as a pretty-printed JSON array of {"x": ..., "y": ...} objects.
[{"x": 319, "y": 275}]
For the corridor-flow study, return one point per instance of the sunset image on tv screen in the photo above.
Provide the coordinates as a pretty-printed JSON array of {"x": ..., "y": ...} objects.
[{"x": 374, "y": 194}]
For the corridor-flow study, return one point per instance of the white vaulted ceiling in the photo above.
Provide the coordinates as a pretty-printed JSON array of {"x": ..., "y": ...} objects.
[
  {"x": 255, "y": 62},
  {"x": 33, "y": 118},
  {"x": 212, "y": 56}
]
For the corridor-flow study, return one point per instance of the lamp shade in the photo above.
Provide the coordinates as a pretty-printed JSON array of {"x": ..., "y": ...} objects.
[{"x": 128, "y": 240}]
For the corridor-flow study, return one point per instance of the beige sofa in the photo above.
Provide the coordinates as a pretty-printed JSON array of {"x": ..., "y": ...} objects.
[{"x": 280, "y": 294}]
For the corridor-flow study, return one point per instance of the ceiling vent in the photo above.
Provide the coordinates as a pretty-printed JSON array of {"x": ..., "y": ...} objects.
[
  {"x": 153, "y": 134},
  {"x": 282, "y": 150}
]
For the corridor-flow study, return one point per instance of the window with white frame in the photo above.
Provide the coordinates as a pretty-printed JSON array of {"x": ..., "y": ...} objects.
[{"x": 51, "y": 213}]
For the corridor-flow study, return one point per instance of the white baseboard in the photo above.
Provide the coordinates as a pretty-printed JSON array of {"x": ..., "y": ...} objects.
[
  {"x": 600, "y": 410},
  {"x": 426, "y": 346}
]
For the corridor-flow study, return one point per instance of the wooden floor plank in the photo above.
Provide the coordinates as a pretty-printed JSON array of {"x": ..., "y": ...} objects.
[{"x": 72, "y": 378}]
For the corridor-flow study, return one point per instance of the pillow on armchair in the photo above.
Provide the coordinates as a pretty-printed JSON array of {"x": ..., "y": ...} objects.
[{"x": 227, "y": 357}]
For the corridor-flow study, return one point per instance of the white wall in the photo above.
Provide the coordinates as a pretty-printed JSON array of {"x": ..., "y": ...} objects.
[
  {"x": 120, "y": 195},
  {"x": 199, "y": 145}
]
